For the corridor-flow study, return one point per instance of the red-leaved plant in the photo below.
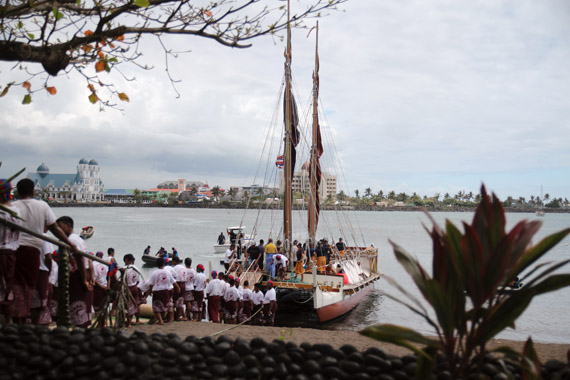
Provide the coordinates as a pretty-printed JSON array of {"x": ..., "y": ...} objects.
[{"x": 466, "y": 290}]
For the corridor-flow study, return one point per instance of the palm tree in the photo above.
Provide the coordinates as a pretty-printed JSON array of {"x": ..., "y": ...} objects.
[
  {"x": 381, "y": 194},
  {"x": 357, "y": 193},
  {"x": 137, "y": 194},
  {"x": 392, "y": 195},
  {"x": 216, "y": 192},
  {"x": 368, "y": 192},
  {"x": 232, "y": 193},
  {"x": 341, "y": 196}
]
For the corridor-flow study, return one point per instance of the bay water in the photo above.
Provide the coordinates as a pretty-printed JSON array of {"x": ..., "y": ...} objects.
[{"x": 193, "y": 232}]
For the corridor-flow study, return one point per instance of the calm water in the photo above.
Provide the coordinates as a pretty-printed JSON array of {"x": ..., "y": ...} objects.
[{"x": 194, "y": 231}]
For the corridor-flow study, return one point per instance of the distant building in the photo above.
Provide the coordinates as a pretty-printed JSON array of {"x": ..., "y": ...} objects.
[
  {"x": 83, "y": 186},
  {"x": 301, "y": 183},
  {"x": 180, "y": 185}
]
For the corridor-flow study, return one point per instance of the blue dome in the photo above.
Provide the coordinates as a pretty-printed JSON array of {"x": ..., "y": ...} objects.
[
  {"x": 93, "y": 162},
  {"x": 43, "y": 168},
  {"x": 83, "y": 161}
]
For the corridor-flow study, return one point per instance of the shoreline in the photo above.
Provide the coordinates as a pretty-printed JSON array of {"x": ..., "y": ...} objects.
[
  {"x": 352, "y": 208},
  {"x": 335, "y": 338}
]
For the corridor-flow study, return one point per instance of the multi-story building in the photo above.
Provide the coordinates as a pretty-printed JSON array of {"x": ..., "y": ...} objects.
[
  {"x": 83, "y": 186},
  {"x": 301, "y": 183}
]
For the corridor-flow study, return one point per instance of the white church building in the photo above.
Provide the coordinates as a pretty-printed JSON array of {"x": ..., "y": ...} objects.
[{"x": 83, "y": 186}]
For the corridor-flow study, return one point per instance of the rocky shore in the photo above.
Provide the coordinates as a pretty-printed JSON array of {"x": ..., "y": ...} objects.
[{"x": 188, "y": 351}]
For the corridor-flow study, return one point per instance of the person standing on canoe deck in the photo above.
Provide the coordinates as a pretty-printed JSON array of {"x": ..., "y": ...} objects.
[
  {"x": 37, "y": 215},
  {"x": 261, "y": 247},
  {"x": 221, "y": 239},
  {"x": 252, "y": 255},
  {"x": 300, "y": 261},
  {"x": 281, "y": 266},
  {"x": 269, "y": 305},
  {"x": 321, "y": 258},
  {"x": 341, "y": 247},
  {"x": 199, "y": 286},
  {"x": 9, "y": 243},
  {"x": 147, "y": 250},
  {"x": 270, "y": 251},
  {"x": 327, "y": 250},
  {"x": 229, "y": 256},
  {"x": 160, "y": 282}
]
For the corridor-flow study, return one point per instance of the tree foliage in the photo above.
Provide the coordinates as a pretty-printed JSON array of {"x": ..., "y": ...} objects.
[{"x": 94, "y": 36}]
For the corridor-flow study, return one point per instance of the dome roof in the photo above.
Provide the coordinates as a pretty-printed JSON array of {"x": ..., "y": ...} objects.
[
  {"x": 93, "y": 162},
  {"x": 83, "y": 161},
  {"x": 43, "y": 168}
]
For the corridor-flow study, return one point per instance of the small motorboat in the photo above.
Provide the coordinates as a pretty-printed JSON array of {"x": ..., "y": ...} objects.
[
  {"x": 87, "y": 232},
  {"x": 152, "y": 261}
]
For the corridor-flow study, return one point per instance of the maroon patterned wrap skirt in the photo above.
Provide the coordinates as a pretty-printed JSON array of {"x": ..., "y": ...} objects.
[
  {"x": 25, "y": 279},
  {"x": 7, "y": 269}
]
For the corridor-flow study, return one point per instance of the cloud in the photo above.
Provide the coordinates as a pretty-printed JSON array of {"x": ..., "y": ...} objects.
[{"x": 418, "y": 96}]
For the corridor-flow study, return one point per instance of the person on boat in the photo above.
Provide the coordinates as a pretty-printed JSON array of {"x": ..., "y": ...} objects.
[
  {"x": 9, "y": 243},
  {"x": 293, "y": 253},
  {"x": 300, "y": 259},
  {"x": 189, "y": 287},
  {"x": 174, "y": 252},
  {"x": 261, "y": 247},
  {"x": 147, "y": 250},
  {"x": 214, "y": 290},
  {"x": 327, "y": 250},
  {"x": 281, "y": 266},
  {"x": 229, "y": 256},
  {"x": 232, "y": 236},
  {"x": 340, "y": 246},
  {"x": 178, "y": 298},
  {"x": 133, "y": 282},
  {"x": 321, "y": 258},
  {"x": 269, "y": 305},
  {"x": 221, "y": 239},
  {"x": 160, "y": 283},
  {"x": 341, "y": 272},
  {"x": 252, "y": 255},
  {"x": 270, "y": 251},
  {"x": 199, "y": 286}
]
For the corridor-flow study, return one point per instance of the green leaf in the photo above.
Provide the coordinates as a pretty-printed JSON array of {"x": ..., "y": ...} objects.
[
  {"x": 27, "y": 99},
  {"x": 142, "y": 3},
  {"x": 5, "y": 90},
  {"x": 20, "y": 25},
  {"x": 57, "y": 14},
  {"x": 400, "y": 336},
  {"x": 31, "y": 36}
]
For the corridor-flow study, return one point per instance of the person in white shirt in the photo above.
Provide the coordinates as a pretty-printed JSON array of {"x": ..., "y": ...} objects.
[
  {"x": 133, "y": 281},
  {"x": 257, "y": 300},
  {"x": 199, "y": 286},
  {"x": 214, "y": 291},
  {"x": 37, "y": 215},
  {"x": 181, "y": 278},
  {"x": 9, "y": 243},
  {"x": 101, "y": 282},
  {"x": 281, "y": 266},
  {"x": 189, "y": 287},
  {"x": 80, "y": 280},
  {"x": 269, "y": 304},
  {"x": 160, "y": 284},
  {"x": 231, "y": 297},
  {"x": 240, "y": 299},
  {"x": 230, "y": 252},
  {"x": 247, "y": 301}
]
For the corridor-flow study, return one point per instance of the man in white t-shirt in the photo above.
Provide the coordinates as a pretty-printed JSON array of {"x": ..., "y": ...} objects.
[
  {"x": 214, "y": 291},
  {"x": 160, "y": 283},
  {"x": 199, "y": 286},
  {"x": 181, "y": 278},
  {"x": 37, "y": 216},
  {"x": 257, "y": 300},
  {"x": 189, "y": 287},
  {"x": 231, "y": 297},
  {"x": 229, "y": 256},
  {"x": 269, "y": 304},
  {"x": 281, "y": 266}
]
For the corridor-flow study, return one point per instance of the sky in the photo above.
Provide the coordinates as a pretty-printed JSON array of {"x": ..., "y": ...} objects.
[{"x": 420, "y": 96}]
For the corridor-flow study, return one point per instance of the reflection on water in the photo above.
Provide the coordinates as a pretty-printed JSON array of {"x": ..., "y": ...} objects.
[{"x": 365, "y": 314}]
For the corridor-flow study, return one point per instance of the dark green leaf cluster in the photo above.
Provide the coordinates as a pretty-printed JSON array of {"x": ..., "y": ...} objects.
[{"x": 469, "y": 287}]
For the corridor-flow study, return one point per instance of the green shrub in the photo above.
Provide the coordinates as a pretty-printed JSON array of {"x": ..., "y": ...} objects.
[{"x": 467, "y": 287}]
